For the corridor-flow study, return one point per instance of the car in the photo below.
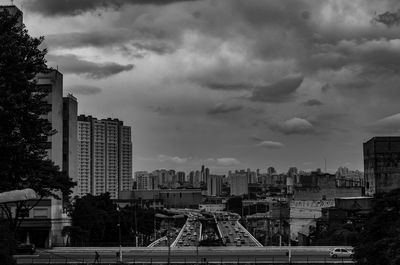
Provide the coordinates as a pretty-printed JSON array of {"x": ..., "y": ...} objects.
[
  {"x": 25, "y": 248},
  {"x": 341, "y": 253}
]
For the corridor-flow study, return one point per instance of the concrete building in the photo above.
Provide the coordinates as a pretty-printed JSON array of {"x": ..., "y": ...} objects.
[
  {"x": 143, "y": 180},
  {"x": 104, "y": 156},
  {"x": 381, "y": 164},
  {"x": 14, "y": 11},
  {"x": 53, "y": 81},
  {"x": 181, "y": 177},
  {"x": 315, "y": 191},
  {"x": 70, "y": 139},
  {"x": 169, "y": 198},
  {"x": 238, "y": 183},
  {"x": 349, "y": 178},
  {"x": 214, "y": 185}
]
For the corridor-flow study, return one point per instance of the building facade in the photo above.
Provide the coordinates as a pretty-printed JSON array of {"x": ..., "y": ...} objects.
[
  {"x": 238, "y": 183},
  {"x": 70, "y": 139},
  {"x": 214, "y": 185},
  {"x": 381, "y": 164},
  {"x": 104, "y": 156}
]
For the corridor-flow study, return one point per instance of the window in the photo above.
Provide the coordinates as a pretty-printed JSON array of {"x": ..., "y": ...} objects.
[{"x": 40, "y": 213}]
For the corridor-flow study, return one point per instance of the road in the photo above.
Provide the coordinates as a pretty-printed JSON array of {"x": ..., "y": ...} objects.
[
  {"x": 234, "y": 235},
  {"x": 189, "y": 235},
  {"x": 253, "y": 255}
]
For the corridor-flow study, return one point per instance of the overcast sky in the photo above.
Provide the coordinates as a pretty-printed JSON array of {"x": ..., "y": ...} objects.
[{"x": 231, "y": 84}]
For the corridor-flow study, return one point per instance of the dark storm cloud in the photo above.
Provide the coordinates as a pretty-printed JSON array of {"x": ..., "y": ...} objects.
[
  {"x": 223, "y": 108},
  {"x": 280, "y": 91},
  {"x": 132, "y": 41},
  {"x": 85, "y": 39},
  {"x": 84, "y": 90},
  {"x": 388, "y": 18},
  {"x": 227, "y": 86},
  {"x": 71, "y": 64},
  {"x": 76, "y": 7},
  {"x": 382, "y": 55},
  {"x": 312, "y": 102}
]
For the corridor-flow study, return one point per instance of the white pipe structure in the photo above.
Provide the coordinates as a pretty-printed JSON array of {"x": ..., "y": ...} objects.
[{"x": 18, "y": 195}]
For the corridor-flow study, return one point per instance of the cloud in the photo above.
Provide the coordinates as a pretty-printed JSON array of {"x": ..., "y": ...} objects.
[
  {"x": 223, "y": 108},
  {"x": 388, "y": 18},
  {"x": 173, "y": 159},
  {"x": 312, "y": 102},
  {"x": 271, "y": 145},
  {"x": 231, "y": 86},
  {"x": 164, "y": 111},
  {"x": 295, "y": 126},
  {"x": 280, "y": 91},
  {"x": 77, "y": 7},
  {"x": 134, "y": 41},
  {"x": 84, "y": 90},
  {"x": 71, "y": 64},
  {"x": 227, "y": 161},
  {"x": 390, "y": 124}
]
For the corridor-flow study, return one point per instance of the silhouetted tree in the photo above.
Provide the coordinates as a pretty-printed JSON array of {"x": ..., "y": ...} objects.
[
  {"x": 24, "y": 129},
  {"x": 379, "y": 241}
]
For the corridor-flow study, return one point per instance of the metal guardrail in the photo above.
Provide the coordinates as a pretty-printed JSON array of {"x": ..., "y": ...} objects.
[{"x": 249, "y": 234}]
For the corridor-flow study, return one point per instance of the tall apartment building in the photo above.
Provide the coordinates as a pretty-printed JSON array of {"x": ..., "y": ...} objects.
[
  {"x": 104, "y": 156},
  {"x": 181, "y": 177},
  {"x": 238, "y": 183},
  {"x": 143, "y": 180},
  {"x": 381, "y": 164},
  {"x": 70, "y": 143},
  {"x": 214, "y": 185}
]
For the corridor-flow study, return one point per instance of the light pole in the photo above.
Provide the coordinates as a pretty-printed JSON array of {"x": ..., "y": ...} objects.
[
  {"x": 119, "y": 233},
  {"x": 197, "y": 245},
  {"x": 290, "y": 238}
]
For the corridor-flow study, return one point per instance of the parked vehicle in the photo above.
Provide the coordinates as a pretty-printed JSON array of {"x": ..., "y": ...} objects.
[
  {"x": 25, "y": 248},
  {"x": 341, "y": 253}
]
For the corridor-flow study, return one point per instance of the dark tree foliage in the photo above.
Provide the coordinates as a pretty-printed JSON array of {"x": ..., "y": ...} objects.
[
  {"x": 7, "y": 245},
  {"x": 234, "y": 205},
  {"x": 379, "y": 242},
  {"x": 24, "y": 129},
  {"x": 95, "y": 221}
]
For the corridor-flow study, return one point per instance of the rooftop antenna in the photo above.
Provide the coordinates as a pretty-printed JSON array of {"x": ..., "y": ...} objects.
[
  {"x": 12, "y": 2},
  {"x": 325, "y": 163}
]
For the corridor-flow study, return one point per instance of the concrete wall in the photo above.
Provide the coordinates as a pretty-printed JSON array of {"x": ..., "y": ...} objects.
[{"x": 330, "y": 193}]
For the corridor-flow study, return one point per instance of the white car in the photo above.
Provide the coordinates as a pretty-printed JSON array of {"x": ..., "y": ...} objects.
[{"x": 341, "y": 253}]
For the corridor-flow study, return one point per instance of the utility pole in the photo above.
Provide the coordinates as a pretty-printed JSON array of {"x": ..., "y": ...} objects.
[
  {"x": 136, "y": 237},
  {"x": 169, "y": 243},
  {"x": 119, "y": 233},
  {"x": 290, "y": 239},
  {"x": 197, "y": 244}
]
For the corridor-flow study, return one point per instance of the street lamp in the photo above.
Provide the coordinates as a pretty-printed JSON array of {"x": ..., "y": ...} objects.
[
  {"x": 197, "y": 245},
  {"x": 119, "y": 233}
]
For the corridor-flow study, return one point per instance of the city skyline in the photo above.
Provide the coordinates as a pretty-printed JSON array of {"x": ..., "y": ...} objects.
[{"x": 230, "y": 84}]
